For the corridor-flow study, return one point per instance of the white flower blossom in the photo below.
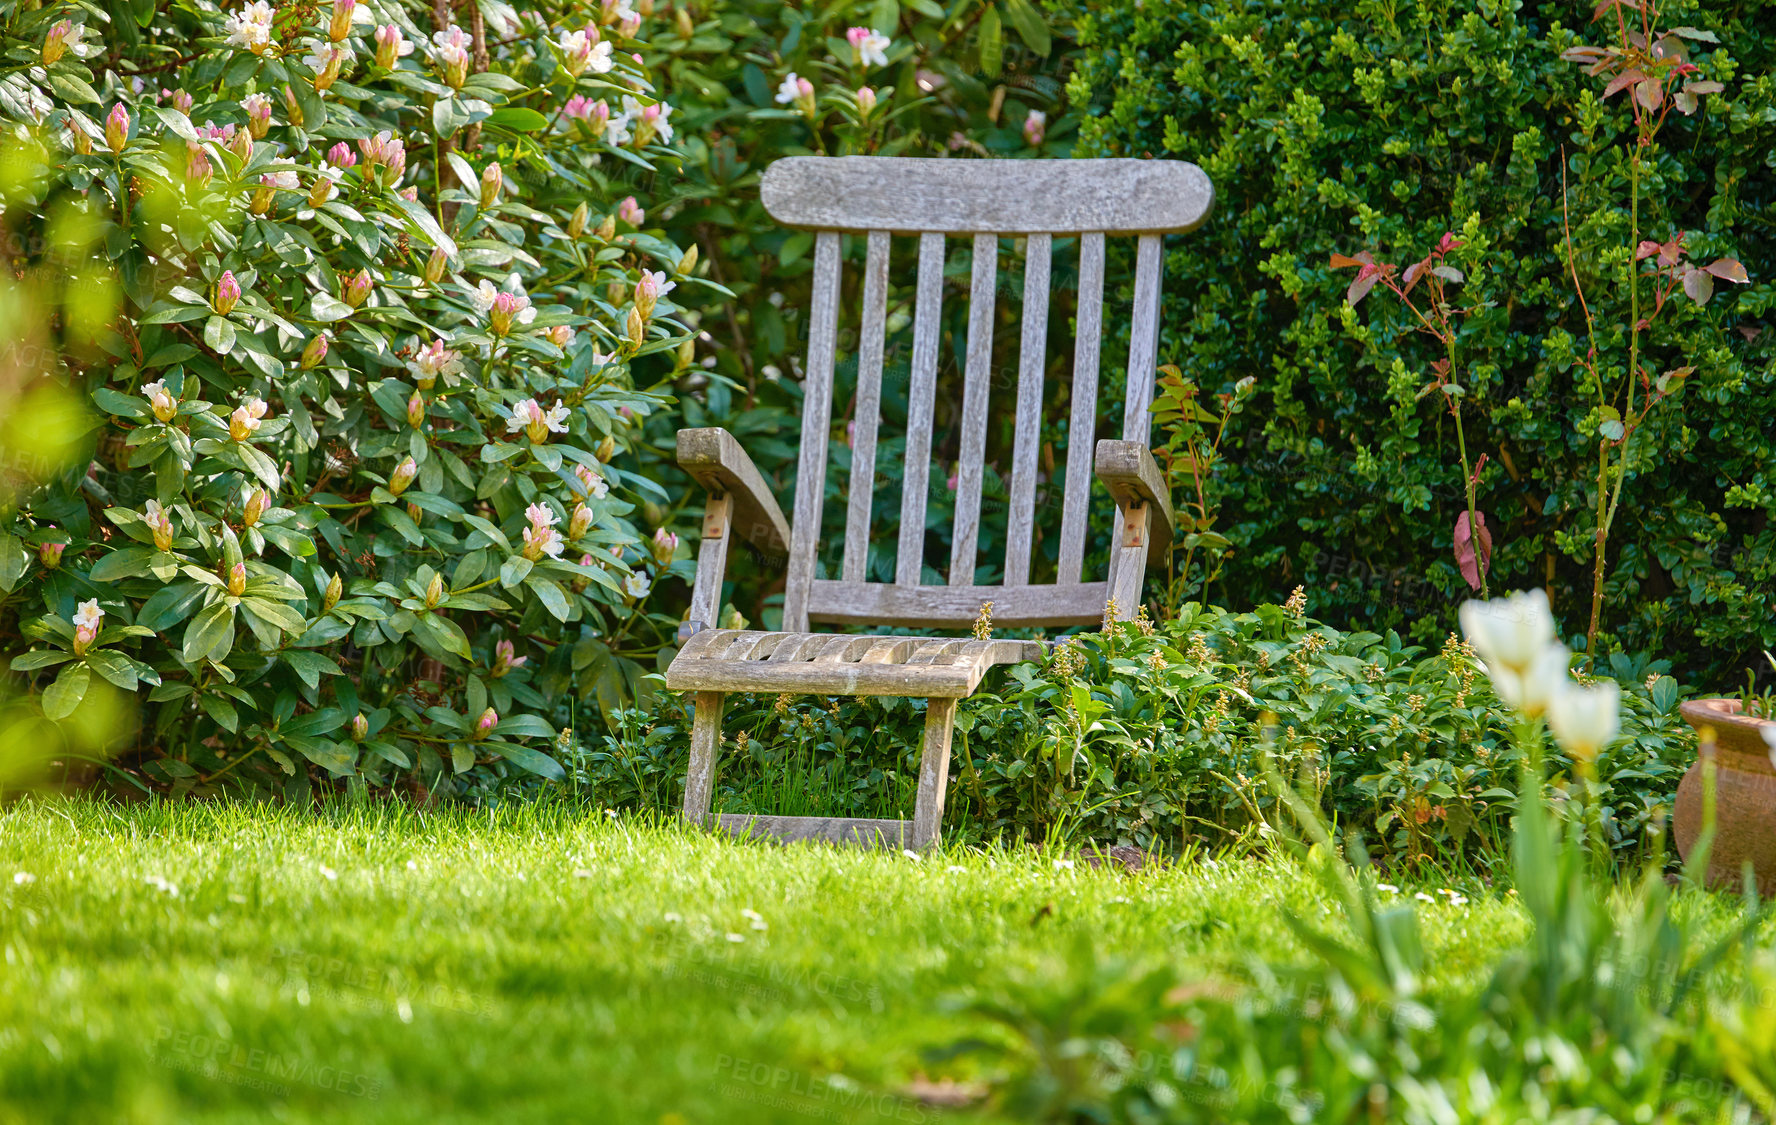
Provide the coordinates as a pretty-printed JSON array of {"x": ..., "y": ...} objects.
[
  {"x": 89, "y": 615},
  {"x": 637, "y": 584},
  {"x": 250, "y": 28},
  {"x": 787, "y": 90}
]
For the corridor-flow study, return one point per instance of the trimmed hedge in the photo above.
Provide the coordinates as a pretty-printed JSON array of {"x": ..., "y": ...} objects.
[{"x": 1341, "y": 128}]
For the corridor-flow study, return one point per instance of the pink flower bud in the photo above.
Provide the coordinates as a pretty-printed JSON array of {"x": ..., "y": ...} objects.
[
  {"x": 341, "y": 156},
  {"x": 241, "y": 144},
  {"x": 237, "y": 579},
  {"x": 83, "y": 638},
  {"x": 228, "y": 292},
  {"x": 630, "y": 212},
  {"x": 182, "y": 102},
  {"x": 357, "y": 289},
  {"x": 580, "y": 522},
  {"x": 416, "y": 410},
  {"x": 117, "y": 125},
  {"x": 341, "y": 23},
  {"x": 866, "y": 101},
  {"x": 665, "y": 545},
  {"x": 258, "y": 108},
  {"x": 197, "y": 165},
  {"x": 402, "y": 476},
  {"x": 255, "y": 507},
  {"x": 292, "y": 107},
  {"x": 485, "y": 724},
  {"x": 491, "y": 180},
  {"x": 390, "y": 46},
  {"x": 55, "y": 43},
  {"x": 314, "y": 351},
  {"x": 360, "y": 727},
  {"x": 263, "y": 195},
  {"x": 1036, "y": 128},
  {"x": 50, "y": 554}
]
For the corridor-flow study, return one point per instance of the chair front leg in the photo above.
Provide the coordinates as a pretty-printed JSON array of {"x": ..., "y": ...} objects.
[
  {"x": 934, "y": 772},
  {"x": 705, "y": 744}
]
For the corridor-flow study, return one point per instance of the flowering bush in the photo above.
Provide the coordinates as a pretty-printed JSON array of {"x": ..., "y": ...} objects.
[{"x": 338, "y": 334}]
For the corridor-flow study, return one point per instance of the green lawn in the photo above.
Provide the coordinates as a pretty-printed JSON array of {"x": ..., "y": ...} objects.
[{"x": 193, "y": 962}]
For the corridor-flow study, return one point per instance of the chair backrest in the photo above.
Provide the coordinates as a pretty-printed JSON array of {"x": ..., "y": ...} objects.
[{"x": 879, "y": 197}]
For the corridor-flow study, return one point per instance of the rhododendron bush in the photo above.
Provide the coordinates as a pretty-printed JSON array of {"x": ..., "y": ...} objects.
[{"x": 330, "y": 338}]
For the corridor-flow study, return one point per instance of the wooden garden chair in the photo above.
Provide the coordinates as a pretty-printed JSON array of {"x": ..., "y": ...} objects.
[{"x": 877, "y": 198}]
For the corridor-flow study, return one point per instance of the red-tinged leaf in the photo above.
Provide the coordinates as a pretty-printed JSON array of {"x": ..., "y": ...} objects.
[
  {"x": 1670, "y": 252},
  {"x": 1728, "y": 269},
  {"x": 1751, "y": 332},
  {"x": 1448, "y": 273},
  {"x": 1624, "y": 80},
  {"x": 1650, "y": 94},
  {"x": 1360, "y": 287},
  {"x": 1583, "y": 54},
  {"x": 1696, "y": 34},
  {"x": 1448, "y": 242},
  {"x": 1671, "y": 47},
  {"x": 1646, "y": 250},
  {"x": 1698, "y": 286},
  {"x": 1703, "y": 87},
  {"x": 1685, "y": 102},
  {"x": 1341, "y": 262},
  {"x": 1413, "y": 273},
  {"x": 1464, "y": 548}
]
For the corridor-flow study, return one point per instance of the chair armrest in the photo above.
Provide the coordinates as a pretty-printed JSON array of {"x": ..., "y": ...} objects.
[
  {"x": 716, "y": 461},
  {"x": 1128, "y": 470}
]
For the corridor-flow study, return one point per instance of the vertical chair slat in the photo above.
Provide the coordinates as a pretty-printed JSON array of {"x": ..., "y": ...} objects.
[
  {"x": 921, "y": 401},
  {"x": 1032, "y": 353},
  {"x": 1143, "y": 339},
  {"x": 1081, "y": 435},
  {"x": 867, "y": 416},
  {"x": 977, "y": 377},
  {"x": 823, "y": 325}
]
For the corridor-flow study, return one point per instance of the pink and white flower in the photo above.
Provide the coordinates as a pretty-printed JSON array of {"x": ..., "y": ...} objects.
[
  {"x": 540, "y": 536},
  {"x": 435, "y": 361},
  {"x": 630, "y": 211},
  {"x": 450, "y": 51},
  {"x": 86, "y": 621},
  {"x": 1035, "y": 128},
  {"x": 871, "y": 46},
  {"x": 536, "y": 422},
  {"x": 591, "y": 483},
  {"x": 583, "y": 50},
  {"x": 246, "y": 419},
  {"x": 250, "y": 28},
  {"x": 258, "y": 111},
  {"x": 160, "y": 400},
  {"x": 391, "y": 46},
  {"x": 160, "y": 522}
]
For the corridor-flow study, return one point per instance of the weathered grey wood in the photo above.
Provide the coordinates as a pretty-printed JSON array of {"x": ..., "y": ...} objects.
[
  {"x": 862, "y": 483},
  {"x": 913, "y": 195},
  {"x": 1137, "y": 422},
  {"x": 715, "y": 460},
  {"x": 804, "y": 663},
  {"x": 976, "y": 386},
  {"x": 889, "y": 834},
  {"x": 1082, "y": 425},
  {"x": 1132, "y": 477},
  {"x": 921, "y": 405},
  {"x": 938, "y": 607},
  {"x": 934, "y": 773},
  {"x": 1032, "y": 355},
  {"x": 705, "y": 745},
  {"x": 1128, "y": 565},
  {"x": 712, "y": 560},
  {"x": 823, "y": 327}
]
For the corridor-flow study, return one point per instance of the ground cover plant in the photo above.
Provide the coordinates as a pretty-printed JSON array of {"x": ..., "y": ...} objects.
[{"x": 1153, "y": 737}]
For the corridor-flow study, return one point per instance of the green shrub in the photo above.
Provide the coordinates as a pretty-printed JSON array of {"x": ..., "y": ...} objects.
[
  {"x": 328, "y": 392},
  {"x": 1158, "y": 739},
  {"x": 1331, "y": 128}
]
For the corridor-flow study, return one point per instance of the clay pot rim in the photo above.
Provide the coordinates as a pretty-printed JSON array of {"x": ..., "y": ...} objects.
[{"x": 1726, "y": 713}]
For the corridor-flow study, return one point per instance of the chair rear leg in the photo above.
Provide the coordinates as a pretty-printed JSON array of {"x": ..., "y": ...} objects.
[
  {"x": 934, "y": 772},
  {"x": 705, "y": 744}
]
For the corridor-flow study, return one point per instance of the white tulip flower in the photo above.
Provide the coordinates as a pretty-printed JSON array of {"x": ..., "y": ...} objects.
[{"x": 1585, "y": 719}]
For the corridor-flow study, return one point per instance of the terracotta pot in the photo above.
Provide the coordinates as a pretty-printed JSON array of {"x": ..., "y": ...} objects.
[{"x": 1744, "y": 795}]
